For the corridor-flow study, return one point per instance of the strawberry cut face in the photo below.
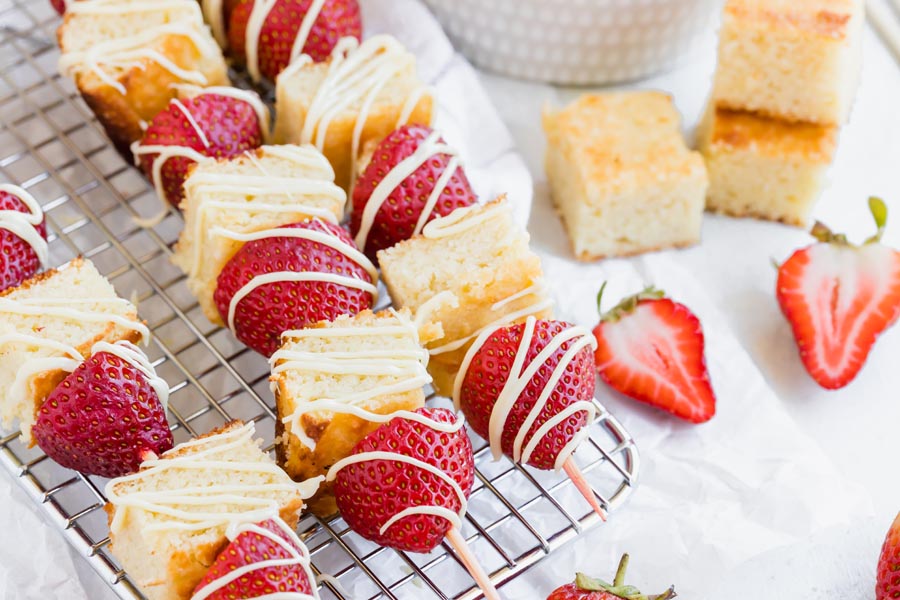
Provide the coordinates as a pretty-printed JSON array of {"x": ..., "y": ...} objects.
[{"x": 838, "y": 299}]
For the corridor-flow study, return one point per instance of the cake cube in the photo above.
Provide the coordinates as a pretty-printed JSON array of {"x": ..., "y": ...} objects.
[
  {"x": 355, "y": 368},
  {"x": 468, "y": 271},
  {"x": 361, "y": 93},
  {"x": 126, "y": 56},
  {"x": 797, "y": 60},
  {"x": 227, "y": 199},
  {"x": 765, "y": 168},
  {"x": 51, "y": 321},
  {"x": 621, "y": 176},
  {"x": 168, "y": 521}
]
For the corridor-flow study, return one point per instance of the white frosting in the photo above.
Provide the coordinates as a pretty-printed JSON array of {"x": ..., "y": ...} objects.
[
  {"x": 200, "y": 507},
  {"x": 460, "y": 220},
  {"x": 356, "y": 73},
  {"x": 214, "y": 13},
  {"x": 253, "y": 33},
  {"x": 287, "y": 539},
  {"x": 164, "y": 154},
  {"x": 64, "y": 308},
  {"x": 430, "y": 147},
  {"x": 519, "y": 377},
  {"x": 135, "y": 357},
  {"x": 20, "y": 388},
  {"x": 309, "y": 19},
  {"x": 191, "y": 121},
  {"x": 25, "y": 225}
]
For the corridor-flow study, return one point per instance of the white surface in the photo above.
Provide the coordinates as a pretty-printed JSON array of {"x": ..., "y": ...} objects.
[
  {"x": 572, "y": 41},
  {"x": 787, "y": 492}
]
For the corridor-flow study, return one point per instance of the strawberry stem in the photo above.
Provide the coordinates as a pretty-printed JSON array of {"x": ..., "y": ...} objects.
[
  {"x": 879, "y": 212},
  {"x": 577, "y": 478},
  {"x": 628, "y": 304},
  {"x": 618, "y": 587},
  {"x": 458, "y": 542},
  {"x": 600, "y": 298},
  {"x": 620, "y": 572}
]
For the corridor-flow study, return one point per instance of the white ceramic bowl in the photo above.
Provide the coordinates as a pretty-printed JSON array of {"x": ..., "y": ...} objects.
[{"x": 575, "y": 41}]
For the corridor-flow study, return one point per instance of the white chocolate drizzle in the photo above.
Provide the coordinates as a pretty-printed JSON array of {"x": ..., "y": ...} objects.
[
  {"x": 62, "y": 308},
  {"x": 520, "y": 375},
  {"x": 199, "y": 507},
  {"x": 356, "y": 73},
  {"x": 25, "y": 225},
  {"x": 248, "y": 96},
  {"x": 298, "y": 556},
  {"x": 323, "y": 237},
  {"x": 257, "y": 20},
  {"x": 430, "y": 147},
  {"x": 136, "y": 357},
  {"x": 214, "y": 13}
]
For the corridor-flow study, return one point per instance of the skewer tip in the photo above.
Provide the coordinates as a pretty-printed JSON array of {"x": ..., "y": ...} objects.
[
  {"x": 456, "y": 540},
  {"x": 582, "y": 486}
]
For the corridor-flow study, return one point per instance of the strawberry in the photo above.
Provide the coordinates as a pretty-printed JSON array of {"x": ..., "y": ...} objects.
[
  {"x": 20, "y": 257},
  {"x": 887, "y": 586},
  {"x": 371, "y": 492},
  {"x": 398, "y": 215},
  {"x": 281, "y": 26},
  {"x": 278, "y": 565},
  {"x": 588, "y": 588},
  {"x": 839, "y": 298},
  {"x": 652, "y": 349},
  {"x": 105, "y": 418},
  {"x": 225, "y": 127},
  {"x": 261, "y": 316},
  {"x": 60, "y": 5}
]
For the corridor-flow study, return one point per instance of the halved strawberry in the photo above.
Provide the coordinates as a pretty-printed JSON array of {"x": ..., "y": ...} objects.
[
  {"x": 839, "y": 298},
  {"x": 398, "y": 214},
  {"x": 264, "y": 560},
  {"x": 652, "y": 349},
  {"x": 23, "y": 236},
  {"x": 277, "y": 38},
  {"x": 207, "y": 125},
  {"x": 106, "y": 417},
  {"x": 887, "y": 586}
]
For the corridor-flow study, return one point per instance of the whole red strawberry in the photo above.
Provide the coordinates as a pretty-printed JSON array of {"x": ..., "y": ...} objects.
[
  {"x": 369, "y": 493},
  {"x": 279, "y": 41},
  {"x": 273, "y": 561},
  {"x": 524, "y": 360},
  {"x": 206, "y": 125},
  {"x": 652, "y": 349},
  {"x": 839, "y": 298},
  {"x": 589, "y": 588},
  {"x": 23, "y": 236},
  {"x": 887, "y": 586},
  {"x": 338, "y": 280},
  {"x": 105, "y": 418},
  {"x": 383, "y": 217}
]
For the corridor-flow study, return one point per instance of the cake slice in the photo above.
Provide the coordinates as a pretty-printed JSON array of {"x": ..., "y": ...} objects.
[
  {"x": 226, "y": 200},
  {"x": 332, "y": 381},
  {"x": 467, "y": 271},
  {"x": 362, "y": 93},
  {"x": 765, "y": 168},
  {"x": 621, "y": 176},
  {"x": 168, "y": 521},
  {"x": 47, "y": 325},
  {"x": 125, "y": 56},
  {"x": 797, "y": 60}
]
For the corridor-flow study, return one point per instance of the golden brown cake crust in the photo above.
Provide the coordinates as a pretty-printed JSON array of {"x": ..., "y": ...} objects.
[
  {"x": 827, "y": 18},
  {"x": 737, "y": 130}
]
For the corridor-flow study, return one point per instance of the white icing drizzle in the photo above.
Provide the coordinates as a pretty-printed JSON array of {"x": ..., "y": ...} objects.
[
  {"x": 215, "y": 15},
  {"x": 62, "y": 308},
  {"x": 200, "y": 507},
  {"x": 135, "y": 357},
  {"x": 131, "y": 51},
  {"x": 192, "y": 121},
  {"x": 25, "y": 225},
  {"x": 164, "y": 154},
  {"x": 460, "y": 221},
  {"x": 309, "y": 19},
  {"x": 430, "y": 147},
  {"x": 255, "y": 22},
  {"x": 356, "y": 72},
  {"x": 250, "y": 97},
  {"x": 520, "y": 375},
  {"x": 410, "y": 104},
  {"x": 322, "y": 237},
  {"x": 288, "y": 541},
  {"x": 20, "y": 387}
]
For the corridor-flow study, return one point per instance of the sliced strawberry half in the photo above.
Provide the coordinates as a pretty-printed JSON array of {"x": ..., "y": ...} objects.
[
  {"x": 839, "y": 298},
  {"x": 652, "y": 349}
]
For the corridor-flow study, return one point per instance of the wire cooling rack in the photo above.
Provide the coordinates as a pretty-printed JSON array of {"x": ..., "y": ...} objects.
[{"x": 51, "y": 145}]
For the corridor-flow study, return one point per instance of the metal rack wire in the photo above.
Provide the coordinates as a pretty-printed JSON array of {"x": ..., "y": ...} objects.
[{"x": 51, "y": 145}]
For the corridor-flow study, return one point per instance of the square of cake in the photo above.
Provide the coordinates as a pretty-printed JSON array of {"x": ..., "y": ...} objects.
[
  {"x": 362, "y": 93},
  {"x": 332, "y": 381},
  {"x": 797, "y": 60},
  {"x": 49, "y": 322},
  {"x": 621, "y": 176},
  {"x": 468, "y": 271},
  {"x": 227, "y": 199},
  {"x": 765, "y": 168},
  {"x": 167, "y": 522},
  {"x": 126, "y": 55}
]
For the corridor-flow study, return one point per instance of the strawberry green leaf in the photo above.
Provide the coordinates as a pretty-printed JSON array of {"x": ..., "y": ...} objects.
[{"x": 879, "y": 213}]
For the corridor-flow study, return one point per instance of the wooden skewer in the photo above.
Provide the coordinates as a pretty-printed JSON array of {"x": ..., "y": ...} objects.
[
  {"x": 455, "y": 539},
  {"x": 581, "y": 484}
]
